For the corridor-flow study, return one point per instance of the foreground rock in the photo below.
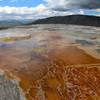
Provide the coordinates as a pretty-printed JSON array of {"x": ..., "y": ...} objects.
[{"x": 9, "y": 89}]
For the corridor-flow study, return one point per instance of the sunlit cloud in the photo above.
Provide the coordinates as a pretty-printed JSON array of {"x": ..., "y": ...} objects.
[{"x": 22, "y": 10}]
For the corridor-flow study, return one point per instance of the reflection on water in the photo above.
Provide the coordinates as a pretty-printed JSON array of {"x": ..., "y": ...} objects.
[
  {"x": 30, "y": 52},
  {"x": 84, "y": 42}
]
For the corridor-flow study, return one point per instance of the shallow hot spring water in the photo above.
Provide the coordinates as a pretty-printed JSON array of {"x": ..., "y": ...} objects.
[{"x": 51, "y": 62}]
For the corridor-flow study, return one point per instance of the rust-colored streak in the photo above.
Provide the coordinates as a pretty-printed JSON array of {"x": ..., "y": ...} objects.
[{"x": 71, "y": 55}]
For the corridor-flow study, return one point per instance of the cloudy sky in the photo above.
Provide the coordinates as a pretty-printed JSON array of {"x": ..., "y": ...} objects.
[{"x": 34, "y": 9}]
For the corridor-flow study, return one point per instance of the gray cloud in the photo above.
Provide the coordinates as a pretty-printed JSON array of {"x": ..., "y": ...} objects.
[{"x": 62, "y": 5}]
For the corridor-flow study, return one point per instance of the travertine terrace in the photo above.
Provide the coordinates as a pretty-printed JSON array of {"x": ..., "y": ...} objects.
[{"x": 50, "y": 62}]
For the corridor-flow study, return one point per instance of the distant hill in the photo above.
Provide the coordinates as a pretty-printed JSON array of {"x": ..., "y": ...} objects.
[
  {"x": 12, "y": 23},
  {"x": 71, "y": 19},
  {"x": 4, "y": 23}
]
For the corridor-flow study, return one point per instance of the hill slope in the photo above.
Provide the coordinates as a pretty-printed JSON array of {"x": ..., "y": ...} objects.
[{"x": 71, "y": 19}]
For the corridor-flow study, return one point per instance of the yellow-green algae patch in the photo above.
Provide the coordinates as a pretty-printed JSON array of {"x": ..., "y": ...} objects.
[
  {"x": 16, "y": 38},
  {"x": 7, "y": 39}
]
